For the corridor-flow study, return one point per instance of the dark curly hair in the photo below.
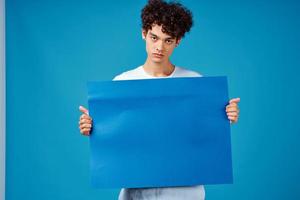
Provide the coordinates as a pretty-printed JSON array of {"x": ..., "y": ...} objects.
[{"x": 175, "y": 19}]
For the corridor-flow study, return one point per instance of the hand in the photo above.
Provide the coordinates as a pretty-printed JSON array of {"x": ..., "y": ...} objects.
[
  {"x": 85, "y": 121},
  {"x": 232, "y": 110}
]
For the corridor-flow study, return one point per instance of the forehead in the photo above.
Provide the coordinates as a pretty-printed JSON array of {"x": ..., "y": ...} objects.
[{"x": 157, "y": 30}]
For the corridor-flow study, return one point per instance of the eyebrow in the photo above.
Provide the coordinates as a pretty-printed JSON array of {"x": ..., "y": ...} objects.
[{"x": 152, "y": 34}]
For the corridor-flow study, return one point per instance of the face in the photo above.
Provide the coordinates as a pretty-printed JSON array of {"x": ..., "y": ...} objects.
[{"x": 159, "y": 46}]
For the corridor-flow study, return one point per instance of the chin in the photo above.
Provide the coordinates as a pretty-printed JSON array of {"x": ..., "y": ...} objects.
[{"x": 157, "y": 60}]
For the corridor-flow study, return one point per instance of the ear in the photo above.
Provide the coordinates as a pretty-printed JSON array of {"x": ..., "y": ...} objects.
[
  {"x": 144, "y": 34},
  {"x": 178, "y": 41}
]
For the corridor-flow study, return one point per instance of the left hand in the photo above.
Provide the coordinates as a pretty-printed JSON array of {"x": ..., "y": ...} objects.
[{"x": 232, "y": 110}]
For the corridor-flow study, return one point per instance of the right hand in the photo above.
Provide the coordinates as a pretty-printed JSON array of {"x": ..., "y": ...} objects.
[{"x": 85, "y": 121}]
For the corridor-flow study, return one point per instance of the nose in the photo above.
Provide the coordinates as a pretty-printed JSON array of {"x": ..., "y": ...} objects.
[{"x": 159, "y": 46}]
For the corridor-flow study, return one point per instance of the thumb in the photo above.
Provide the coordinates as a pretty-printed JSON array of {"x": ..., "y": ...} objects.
[
  {"x": 235, "y": 100},
  {"x": 84, "y": 110}
]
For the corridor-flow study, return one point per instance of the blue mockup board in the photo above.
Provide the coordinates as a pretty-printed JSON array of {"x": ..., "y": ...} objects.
[{"x": 159, "y": 132}]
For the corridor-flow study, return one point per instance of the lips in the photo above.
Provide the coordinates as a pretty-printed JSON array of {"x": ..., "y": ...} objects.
[{"x": 158, "y": 55}]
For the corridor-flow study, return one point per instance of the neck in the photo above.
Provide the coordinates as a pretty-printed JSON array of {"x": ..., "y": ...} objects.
[{"x": 158, "y": 69}]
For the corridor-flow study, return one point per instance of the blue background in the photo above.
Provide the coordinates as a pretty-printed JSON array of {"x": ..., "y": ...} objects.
[{"x": 54, "y": 47}]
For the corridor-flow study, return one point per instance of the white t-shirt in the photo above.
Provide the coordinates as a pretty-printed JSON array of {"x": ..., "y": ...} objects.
[
  {"x": 165, "y": 193},
  {"x": 140, "y": 73}
]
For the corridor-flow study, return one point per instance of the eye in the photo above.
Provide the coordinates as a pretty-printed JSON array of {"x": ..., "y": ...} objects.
[
  {"x": 169, "y": 41},
  {"x": 153, "y": 38}
]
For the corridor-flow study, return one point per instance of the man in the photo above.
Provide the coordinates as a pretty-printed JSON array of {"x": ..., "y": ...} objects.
[{"x": 164, "y": 25}]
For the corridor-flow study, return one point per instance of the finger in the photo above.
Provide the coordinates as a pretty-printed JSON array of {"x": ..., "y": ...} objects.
[
  {"x": 82, "y": 126},
  {"x": 85, "y": 126},
  {"x": 85, "y": 116},
  {"x": 86, "y": 130},
  {"x": 232, "y": 114},
  {"x": 232, "y": 104},
  {"x": 83, "y": 132},
  {"x": 83, "y": 110},
  {"x": 237, "y": 112},
  {"x": 85, "y": 121},
  {"x": 232, "y": 119},
  {"x": 235, "y": 100},
  {"x": 232, "y": 109}
]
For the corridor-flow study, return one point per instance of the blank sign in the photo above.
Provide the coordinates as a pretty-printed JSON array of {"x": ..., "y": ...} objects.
[{"x": 159, "y": 132}]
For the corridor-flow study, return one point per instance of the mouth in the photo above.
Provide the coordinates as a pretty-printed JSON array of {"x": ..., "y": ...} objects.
[{"x": 158, "y": 55}]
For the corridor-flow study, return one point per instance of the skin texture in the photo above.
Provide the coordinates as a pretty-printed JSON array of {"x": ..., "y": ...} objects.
[
  {"x": 162, "y": 44},
  {"x": 159, "y": 48}
]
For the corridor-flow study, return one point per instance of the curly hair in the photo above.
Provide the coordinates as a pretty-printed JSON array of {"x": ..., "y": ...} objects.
[{"x": 175, "y": 19}]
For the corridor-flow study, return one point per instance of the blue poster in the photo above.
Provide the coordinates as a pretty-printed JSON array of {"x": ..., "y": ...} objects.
[{"x": 160, "y": 132}]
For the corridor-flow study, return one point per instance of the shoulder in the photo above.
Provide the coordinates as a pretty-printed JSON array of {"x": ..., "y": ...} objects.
[
  {"x": 184, "y": 72},
  {"x": 130, "y": 74}
]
